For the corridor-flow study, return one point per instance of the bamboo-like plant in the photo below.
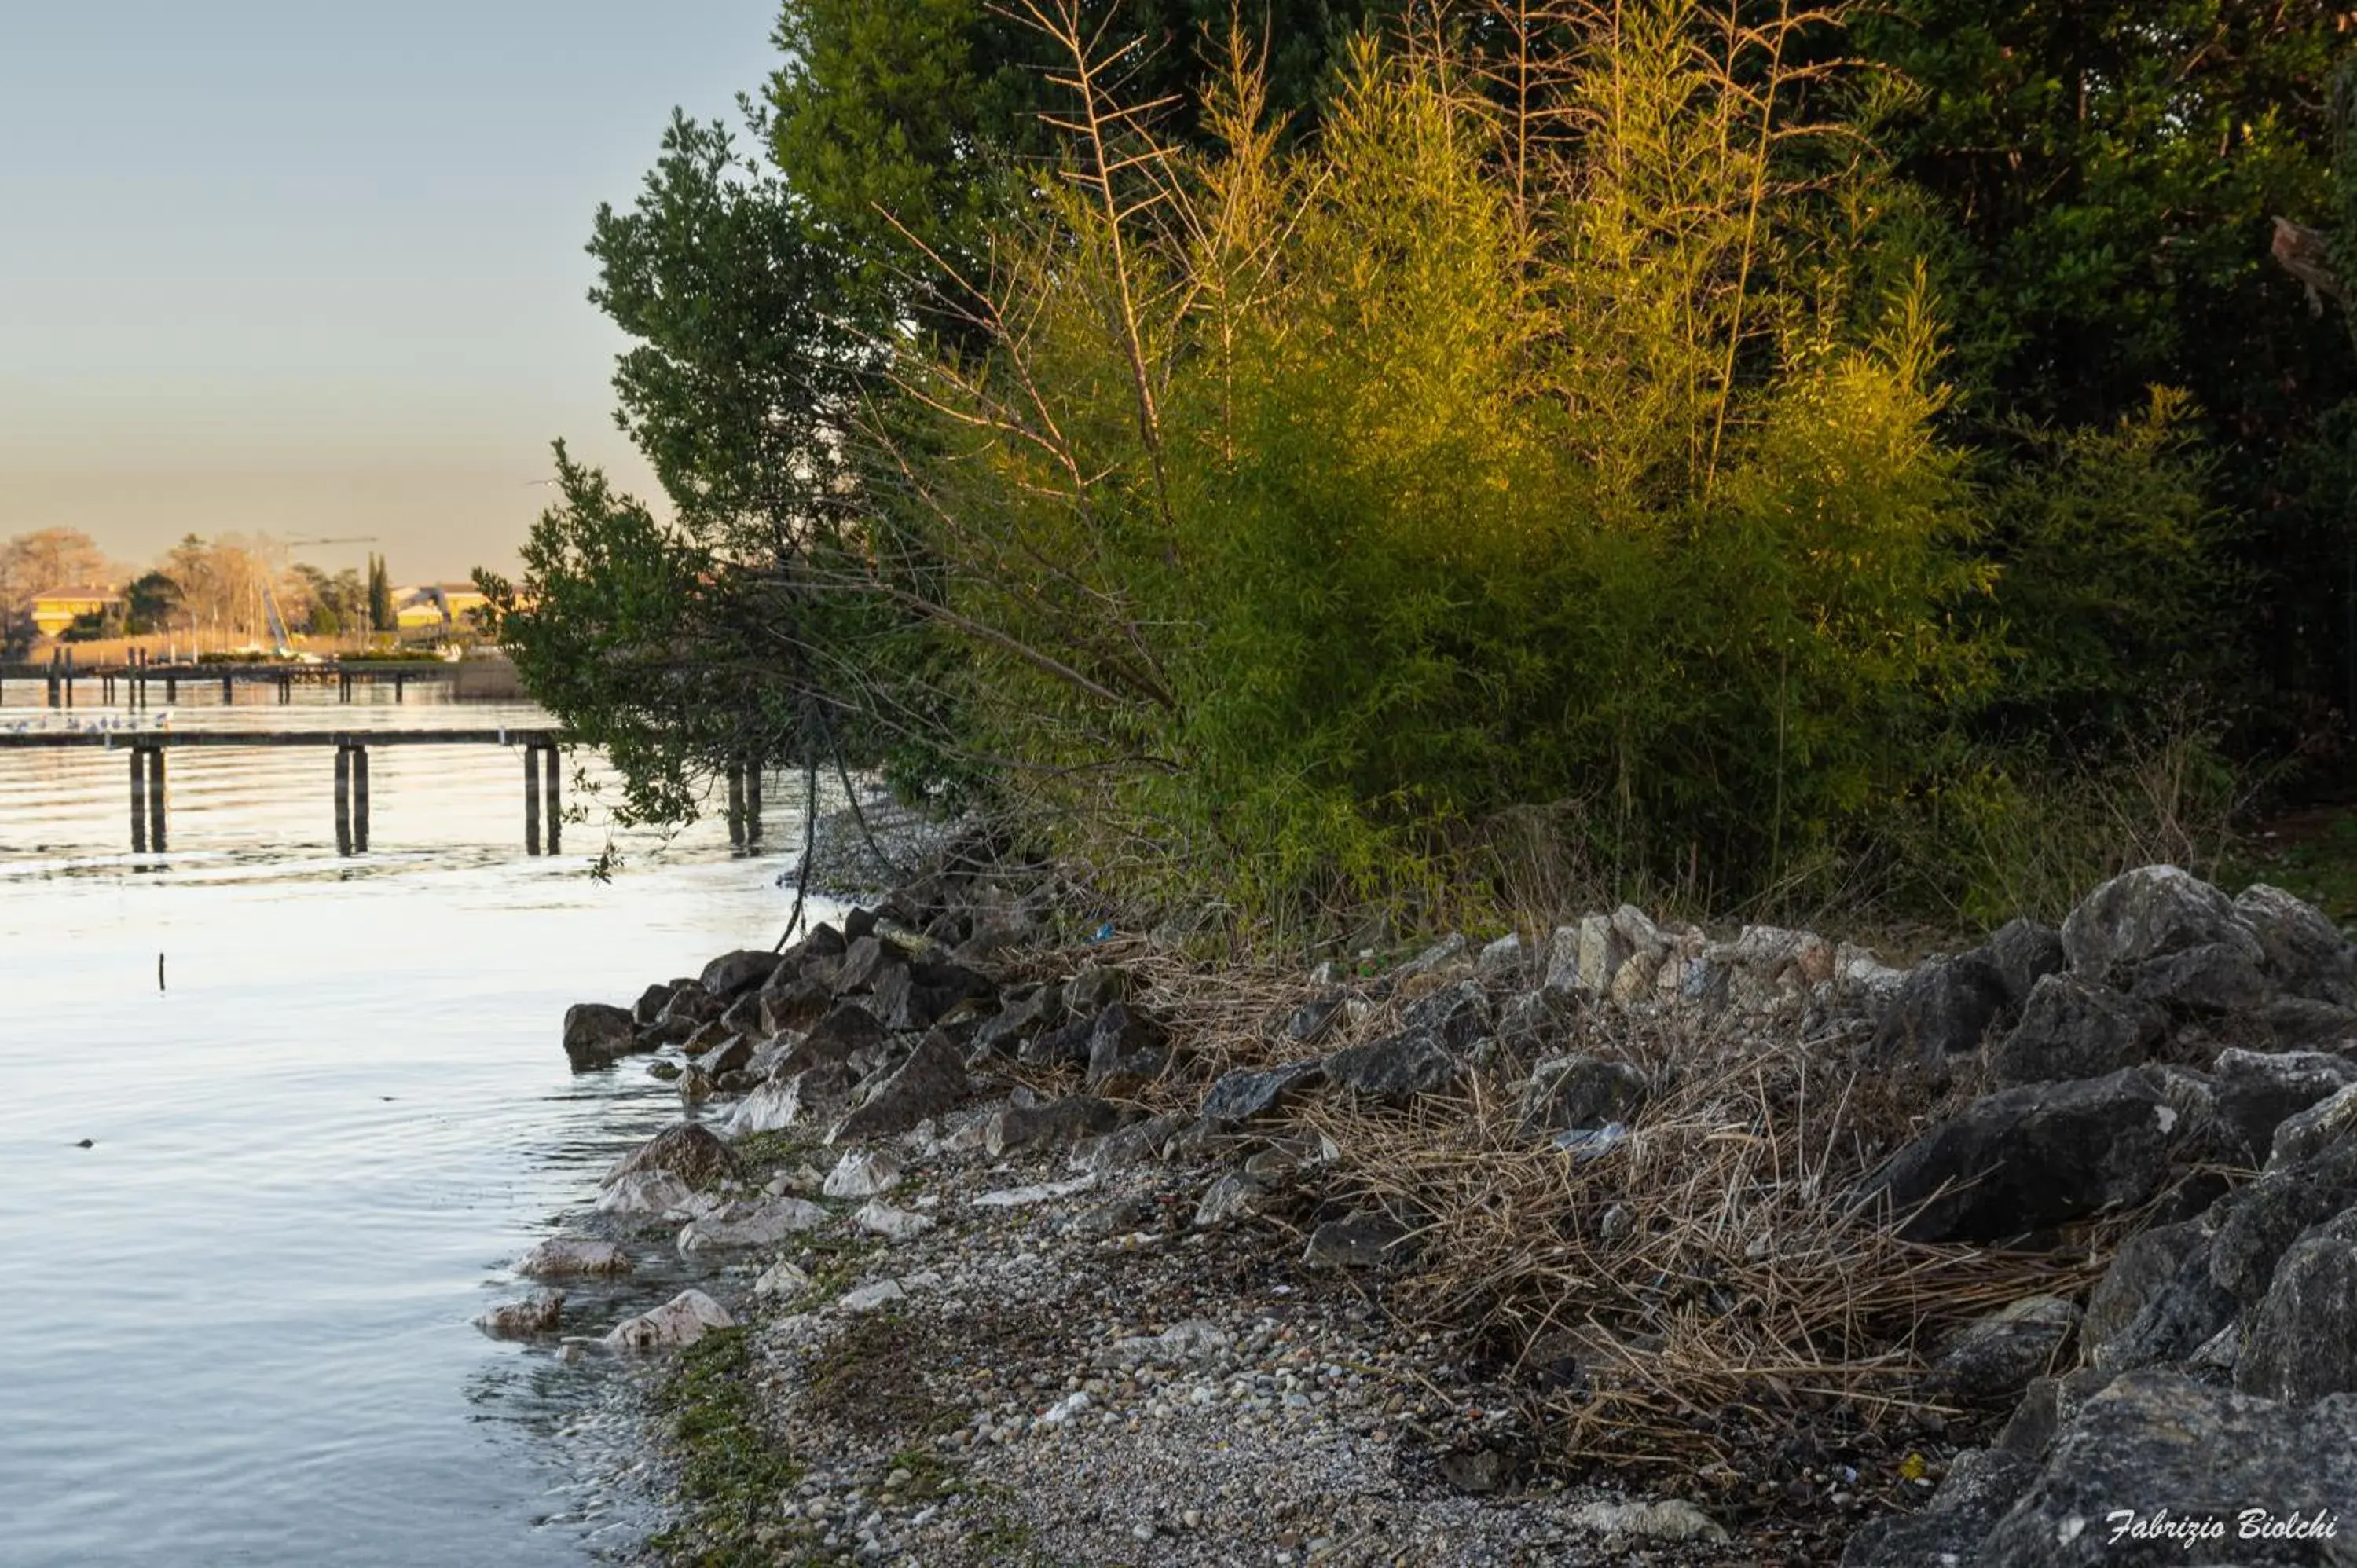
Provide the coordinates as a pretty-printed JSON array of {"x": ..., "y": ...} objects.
[{"x": 1537, "y": 431}]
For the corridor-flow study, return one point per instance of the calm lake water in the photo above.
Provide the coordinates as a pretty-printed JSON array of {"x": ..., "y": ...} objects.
[{"x": 240, "y": 1321}]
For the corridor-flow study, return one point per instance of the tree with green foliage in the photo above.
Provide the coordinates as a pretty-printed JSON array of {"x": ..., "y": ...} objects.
[
  {"x": 381, "y": 614},
  {"x": 684, "y": 645},
  {"x": 152, "y": 601},
  {"x": 2110, "y": 174}
]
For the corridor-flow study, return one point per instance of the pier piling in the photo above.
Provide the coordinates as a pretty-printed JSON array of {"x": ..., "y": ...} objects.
[{"x": 139, "y": 799}]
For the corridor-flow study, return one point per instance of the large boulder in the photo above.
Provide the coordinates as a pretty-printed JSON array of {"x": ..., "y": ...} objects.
[
  {"x": 1064, "y": 1120},
  {"x": 2157, "y": 1449},
  {"x": 2262, "y": 1219},
  {"x": 1992, "y": 1360},
  {"x": 689, "y": 1150},
  {"x": 2024, "y": 953},
  {"x": 2303, "y": 1338},
  {"x": 1023, "y": 1012},
  {"x": 931, "y": 1081},
  {"x": 915, "y": 996},
  {"x": 597, "y": 1034},
  {"x": 732, "y": 974},
  {"x": 809, "y": 1094},
  {"x": 2176, "y": 1314},
  {"x": 2027, "y": 1158},
  {"x": 2071, "y": 1029},
  {"x": 2301, "y": 950},
  {"x": 2154, "y": 912},
  {"x": 1453, "y": 1018},
  {"x": 1944, "y": 1007},
  {"x": 563, "y": 1257},
  {"x": 2258, "y": 1091}
]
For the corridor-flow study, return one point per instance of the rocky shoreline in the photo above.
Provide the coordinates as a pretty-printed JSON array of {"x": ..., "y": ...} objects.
[{"x": 1620, "y": 1244}]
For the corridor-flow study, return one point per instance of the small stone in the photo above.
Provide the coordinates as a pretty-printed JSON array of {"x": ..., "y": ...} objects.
[
  {"x": 867, "y": 1298},
  {"x": 863, "y": 1173},
  {"x": 781, "y": 1278},
  {"x": 892, "y": 1224},
  {"x": 1228, "y": 1198}
]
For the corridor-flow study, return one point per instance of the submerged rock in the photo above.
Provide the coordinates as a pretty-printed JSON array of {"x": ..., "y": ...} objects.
[
  {"x": 645, "y": 1193},
  {"x": 762, "y": 1223},
  {"x": 689, "y": 1150}
]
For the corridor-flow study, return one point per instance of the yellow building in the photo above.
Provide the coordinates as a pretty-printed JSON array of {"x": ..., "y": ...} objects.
[{"x": 60, "y": 607}]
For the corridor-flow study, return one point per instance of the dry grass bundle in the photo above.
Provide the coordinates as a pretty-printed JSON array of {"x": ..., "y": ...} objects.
[{"x": 1708, "y": 1283}]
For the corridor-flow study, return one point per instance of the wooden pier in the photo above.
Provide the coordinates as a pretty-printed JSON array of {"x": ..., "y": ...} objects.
[
  {"x": 134, "y": 683},
  {"x": 146, "y": 748}
]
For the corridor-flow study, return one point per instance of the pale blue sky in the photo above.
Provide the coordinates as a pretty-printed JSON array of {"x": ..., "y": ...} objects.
[{"x": 315, "y": 268}]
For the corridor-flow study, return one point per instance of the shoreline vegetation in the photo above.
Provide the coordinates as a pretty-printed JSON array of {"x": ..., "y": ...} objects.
[
  {"x": 1620, "y": 1241},
  {"x": 1634, "y": 487}
]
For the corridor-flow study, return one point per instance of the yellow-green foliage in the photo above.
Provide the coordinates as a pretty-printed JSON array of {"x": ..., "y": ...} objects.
[{"x": 1531, "y": 433}]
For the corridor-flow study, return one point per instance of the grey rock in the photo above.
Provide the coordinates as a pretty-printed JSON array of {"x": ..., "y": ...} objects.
[
  {"x": 596, "y": 1033},
  {"x": 2155, "y": 1440},
  {"x": 563, "y": 1257},
  {"x": 2071, "y": 1029},
  {"x": 760, "y": 1222},
  {"x": 1453, "y": 1018},
  {"x": 1992, "y": 1360},
  {"x": 1534, "y": 1020},
  {"x": 1064, "y": 1046},
  {"x": 1562, "y": 975},
  {"x": 1064, "y": 1120},
  {"x": 1358, "y": 1241},
  {"x": 2024, "y": 953},
  {"x": 2143, "y": 1267},
  {"x": 1095, "y": 988},
  {"x": 1503, "y": 959},
  {"x": 1126, "y": 1050},
  {"x": 2145, "y": 914},
  {"x": 1229, "y": 1198},
  {"x": 2303, "y": 1339},
  {"x": 2258, "y": 1091},
  {"x": 1245, "y": 1095},
  {"x": 810, "y": 1094},
  {"x": 848, "y": 1029},
  {"x": 2210, "y": 979},
  {"x": 1478, "y": 1470},
  {"x": 730, "y": 1055},
  {"x": 677, "y": 1323},
  {"x": 732, "y": 974},
  {"x": 862, "y": 960},
  {"x": 1023, "y": 1012},
  {"x": 932, "y": 1080},
  {"x": 1131, "y": 1145},
  {"x": 2171, "y": 1322},
  {"x": 2262, "y": 1219},
  {"x": 1571, "y": 1092},
  {"x": 1945, "y": 1007},
  {"x": 645, "y": 1194},
  {"x": 649, "y": 1008},
  {"x": 2306, "y": 1134},
  {"x": 2302, "y": 951},
  {"x": 688, "y": 1150},
  {"x": 743, "y": 1015},
  {"x": 795, "y": 1005},
  {"x": 911, "y": 997},
  {"x": 1313, "y": 1021},
  {"x": 2026, "y": 1158},
  {"x": 1603, "y": 949},
  {"x": 1395, "y": 1069},
  {"x": 2296, "y": 1023},
  {"x": 1980, "y": 1485},
  {"x": 863, "y": 1172},
  {"x": 537, "y": 1314}
]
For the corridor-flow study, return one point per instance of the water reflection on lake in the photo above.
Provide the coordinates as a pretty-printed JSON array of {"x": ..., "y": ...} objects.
[{"x": 241, "y": 1317}]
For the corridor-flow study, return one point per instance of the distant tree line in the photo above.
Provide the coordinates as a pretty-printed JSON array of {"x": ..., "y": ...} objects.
[
  {"x": 212, "y": 587},
  {"x": 1783, "y": 451}
]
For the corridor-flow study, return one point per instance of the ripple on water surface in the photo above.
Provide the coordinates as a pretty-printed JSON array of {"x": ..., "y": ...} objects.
[{"x": 240, "y": 1320}]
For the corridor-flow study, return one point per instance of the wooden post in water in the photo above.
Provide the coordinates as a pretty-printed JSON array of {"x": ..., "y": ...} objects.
[
  {"x": 69, "y": 677},
  {"x": 171, "y": 688},
  {"x": 359, "y": 799},
  {"x": 139, "y": 799},
  {"x": 228, "y": 696},
  {"x": 156, "y": 799},
  {"x": 400, "y": 683},
  {"x": 343, "y": 799},
  {"x": 554, "y": 806},
  {"x": 531, "y": 800}
]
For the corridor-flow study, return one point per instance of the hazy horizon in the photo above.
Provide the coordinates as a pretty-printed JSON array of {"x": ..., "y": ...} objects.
[{"x": 286, "y": 268}]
